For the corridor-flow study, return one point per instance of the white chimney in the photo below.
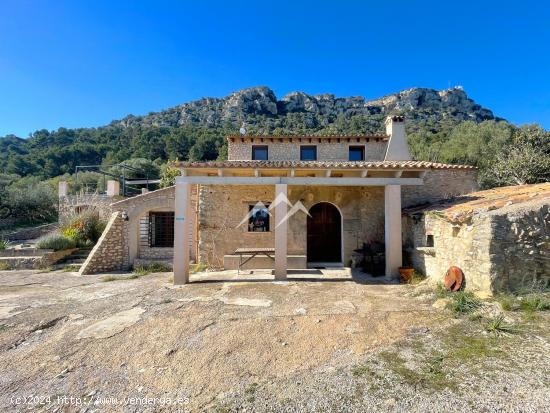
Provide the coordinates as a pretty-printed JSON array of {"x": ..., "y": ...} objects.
[{"x": 397, "y": 149}]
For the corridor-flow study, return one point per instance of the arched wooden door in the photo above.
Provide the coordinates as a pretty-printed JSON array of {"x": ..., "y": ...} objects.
[{"x": 324, "y": 233}]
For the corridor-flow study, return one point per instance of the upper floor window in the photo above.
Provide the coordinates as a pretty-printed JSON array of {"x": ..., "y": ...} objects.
[
  {"x": 308, "y": 153},
  {"x": 259, "y": 153},
  {"x": 356, "y": 153}
]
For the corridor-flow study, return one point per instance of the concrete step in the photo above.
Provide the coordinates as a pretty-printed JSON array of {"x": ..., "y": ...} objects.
[{"x": 77, "y": 257}]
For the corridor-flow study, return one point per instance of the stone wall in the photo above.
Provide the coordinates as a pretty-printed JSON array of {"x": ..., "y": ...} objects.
[
  {"x": 520, "y": 246},
  {"x": 110, "y": 253},
  {"x": 152, "y": 253},
  {"x": 32, "y": 258},
  {"x": 505, "y": 249},
  {"x": 31, "y": 233},
  {"x": 465, "y": 246},
  {"x": 73, "y": 204},
  {"x": 290, "y": 151},
  {"x": 440, "y": 184},
  {"x": 124, "y": 238},
  {"x": 137, "y": 209},
  {"x": 223, "y": 207}
]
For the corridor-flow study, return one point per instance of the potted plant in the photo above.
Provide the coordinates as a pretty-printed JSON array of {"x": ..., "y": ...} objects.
[{"x": 405, "y": 274}]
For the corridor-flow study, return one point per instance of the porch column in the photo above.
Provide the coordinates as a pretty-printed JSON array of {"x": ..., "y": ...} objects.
[
  {"x": 392, "y": 233},
  {"x": 181, "y": 233},
  {"x": 281, "y": 227}
]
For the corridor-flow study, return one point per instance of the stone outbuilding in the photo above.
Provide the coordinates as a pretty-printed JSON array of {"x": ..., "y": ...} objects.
[{"x": 500, "y": 238}]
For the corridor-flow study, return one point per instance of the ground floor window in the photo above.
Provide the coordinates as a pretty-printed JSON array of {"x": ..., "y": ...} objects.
[
  {"x": 258, "y": 217},
  {"x": 161, "y": 229}
]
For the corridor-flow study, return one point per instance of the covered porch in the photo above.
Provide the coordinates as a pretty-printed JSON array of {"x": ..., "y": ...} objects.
[{"x": 280, "y": 175}]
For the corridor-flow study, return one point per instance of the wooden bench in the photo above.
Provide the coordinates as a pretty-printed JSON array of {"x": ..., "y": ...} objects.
[{"x": 268, "y": 252}]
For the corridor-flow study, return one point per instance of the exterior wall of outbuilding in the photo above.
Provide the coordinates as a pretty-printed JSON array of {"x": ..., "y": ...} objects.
[{"x": 505, "y": 249}]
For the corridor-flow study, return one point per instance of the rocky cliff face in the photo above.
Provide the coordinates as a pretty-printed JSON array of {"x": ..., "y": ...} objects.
[{"x": 248, "y": 105}]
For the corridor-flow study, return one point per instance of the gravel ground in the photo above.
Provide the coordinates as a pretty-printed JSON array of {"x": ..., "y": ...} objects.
[{"x": 345, "y": 345}]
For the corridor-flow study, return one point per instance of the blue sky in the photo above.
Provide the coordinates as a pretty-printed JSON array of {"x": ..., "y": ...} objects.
[{"x": 84, "y": 63}]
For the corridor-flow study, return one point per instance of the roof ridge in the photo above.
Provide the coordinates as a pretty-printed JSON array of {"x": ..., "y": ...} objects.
[
  {"x": 370, "y": 135},
  {"x": 320, "y": 164}
]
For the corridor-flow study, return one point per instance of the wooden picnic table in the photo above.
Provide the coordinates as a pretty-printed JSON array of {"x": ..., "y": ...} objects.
[{"x": 268, "y": 252}]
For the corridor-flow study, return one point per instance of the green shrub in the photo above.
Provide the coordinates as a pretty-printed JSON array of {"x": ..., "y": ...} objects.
[
  {"x": 531, "y": 301},
  {"x": 31, "y": 202},
  {"x": 4, "y": 243},
  {"x": 498, "y": 325},
  {"x": 508, "y": 302},
  {"x": 463, "y": 303},
  {"x": 168, "y": 174},
  {"x": 55, "y": 242},
  {"x": 441, "y": 291},
  {"x": 152, "y": 267},
  {"x": 535, "y": 302},
  {"x": 84, "y": 228},
  {"x": 196, "y": 267},
  {"x": 4, "y": 266}
]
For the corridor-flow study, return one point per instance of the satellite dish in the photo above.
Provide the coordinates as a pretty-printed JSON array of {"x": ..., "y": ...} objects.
[{"x": 242, "y": 131}]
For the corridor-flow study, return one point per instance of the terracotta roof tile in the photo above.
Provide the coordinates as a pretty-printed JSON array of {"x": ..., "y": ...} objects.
[
  {"x": 370, "y": 136},
  {"x": 323, "y": 164},
  {"x": 461, "y": 209}
]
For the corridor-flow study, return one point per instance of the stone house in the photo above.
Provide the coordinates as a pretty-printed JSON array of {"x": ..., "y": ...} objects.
[{"x": 309, "y": 200}]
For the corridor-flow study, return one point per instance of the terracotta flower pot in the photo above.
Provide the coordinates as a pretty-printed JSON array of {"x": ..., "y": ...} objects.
[{"x": 405, "y": 274}]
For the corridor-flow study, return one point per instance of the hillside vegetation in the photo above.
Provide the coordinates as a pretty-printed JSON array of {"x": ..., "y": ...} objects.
[
  {"x": 196, "y": 130},
  {"x": 442, "y": 126}
]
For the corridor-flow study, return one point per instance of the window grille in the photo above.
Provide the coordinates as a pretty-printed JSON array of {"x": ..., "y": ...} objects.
[{"x": 161, "y": 229}]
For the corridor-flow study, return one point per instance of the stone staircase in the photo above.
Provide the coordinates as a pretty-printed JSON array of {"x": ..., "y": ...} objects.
[{"x": 77, "y": 258}]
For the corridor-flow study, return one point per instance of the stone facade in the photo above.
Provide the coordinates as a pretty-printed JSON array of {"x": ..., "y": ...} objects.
[
  {"x": 110, "y": 253},
  {"x": 124, "y": 242},
  {"x": 216, "y": 211},
  {"x": 520, "y": 246},
  {"x": 32, "y": 258},
  {"x": 289, "y": 150},
  {"x": 223, "y": 207},
  {"x": 440, "y": 184},
  {"x": 70, "y": 205},
  {"x": 504, "y": 249}
]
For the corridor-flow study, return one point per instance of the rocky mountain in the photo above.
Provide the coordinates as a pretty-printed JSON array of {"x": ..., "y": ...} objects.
[
  {"x": 260, "y": 105},
  {"x": 197, "y": 130}
]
